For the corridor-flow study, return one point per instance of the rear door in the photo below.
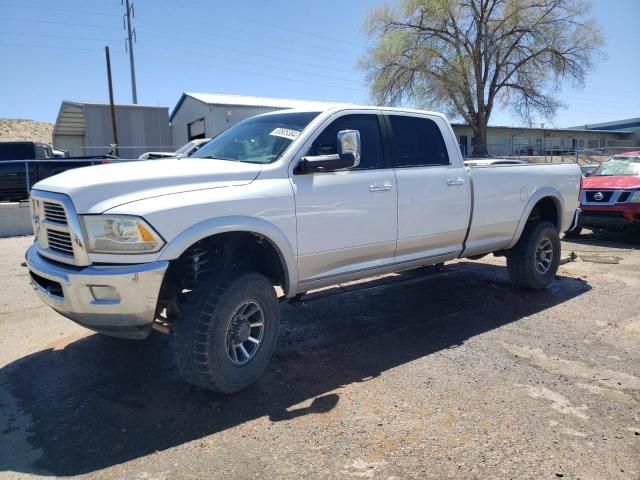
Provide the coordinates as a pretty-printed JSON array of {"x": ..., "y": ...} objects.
[
  {"x": 346, "y": 220},
  {"x": 433, "y": 192}
]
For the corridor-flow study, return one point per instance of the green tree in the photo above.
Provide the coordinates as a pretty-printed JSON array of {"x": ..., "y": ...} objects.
[{"x": 464, "y": 56}]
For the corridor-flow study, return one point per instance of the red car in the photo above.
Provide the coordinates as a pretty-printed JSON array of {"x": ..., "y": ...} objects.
[{"x": 610, "y": 195}]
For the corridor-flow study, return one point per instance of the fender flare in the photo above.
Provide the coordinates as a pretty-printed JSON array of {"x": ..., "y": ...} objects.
[
  {"x": 269, "y": 231},
  {"x": 545, "y": 192}
]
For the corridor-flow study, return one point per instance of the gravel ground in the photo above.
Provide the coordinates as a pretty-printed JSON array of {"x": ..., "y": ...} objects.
[{"x": 458, "y": 376}]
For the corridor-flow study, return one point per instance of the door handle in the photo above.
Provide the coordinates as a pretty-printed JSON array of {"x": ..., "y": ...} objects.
[
  {"x": 455, "y": 181},
  {"x": 380, "y": 188}
]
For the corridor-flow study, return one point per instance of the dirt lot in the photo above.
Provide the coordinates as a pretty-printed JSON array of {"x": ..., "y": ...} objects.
[{"x": 458, "y": 376}]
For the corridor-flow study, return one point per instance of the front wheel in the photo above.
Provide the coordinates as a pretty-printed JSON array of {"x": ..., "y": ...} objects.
[
  {"x": 225, "y": 335},
  {"x": 533, "y": 262}
]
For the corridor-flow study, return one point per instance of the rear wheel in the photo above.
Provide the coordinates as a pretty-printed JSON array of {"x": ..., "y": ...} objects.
[
  {"x": 226, "y": 332},
  {"x": 533, "y": 262}
]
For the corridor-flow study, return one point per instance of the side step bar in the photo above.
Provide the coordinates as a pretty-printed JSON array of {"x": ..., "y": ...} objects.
[{"x": 376, "y": 284}]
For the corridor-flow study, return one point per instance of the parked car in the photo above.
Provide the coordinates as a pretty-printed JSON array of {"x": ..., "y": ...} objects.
[
  {"x": 298, "y": 199},
  {"x": 186, "y": 150},
  {"x": 610, "y": 195}
]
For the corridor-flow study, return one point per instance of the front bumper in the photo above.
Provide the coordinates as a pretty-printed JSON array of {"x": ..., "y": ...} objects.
[
  {"x": 115, "y": 300},
  {"x": 616, "y": 217}
]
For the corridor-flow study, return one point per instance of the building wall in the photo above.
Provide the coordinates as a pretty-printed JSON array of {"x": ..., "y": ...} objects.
[
  {"x": 74, "y": 144},
  {"x": 533, "y": 141},
  {"x": 217, "y": 118},
  {"x": 139, "y": 130},
  {"x": 631, "y": 124},
  {"x": 189, "y": 111}
]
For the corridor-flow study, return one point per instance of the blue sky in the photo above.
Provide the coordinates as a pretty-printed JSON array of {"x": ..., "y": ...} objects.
[{"x": 50, "y": 51}]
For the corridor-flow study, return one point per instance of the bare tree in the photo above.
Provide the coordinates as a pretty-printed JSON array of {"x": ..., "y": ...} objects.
[{"x": 463, "y": 56}]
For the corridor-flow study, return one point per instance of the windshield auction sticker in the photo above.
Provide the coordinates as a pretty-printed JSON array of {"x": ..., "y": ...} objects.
[{"x": 285, "y": 133}]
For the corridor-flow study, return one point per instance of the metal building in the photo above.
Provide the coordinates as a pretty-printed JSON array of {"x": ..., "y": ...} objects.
[
  {"x": 205, "y": 115},
  {"x": 631, "y": 124},
  {"x": 84, "y": 128},
  {"x": 536, "y": 141}
]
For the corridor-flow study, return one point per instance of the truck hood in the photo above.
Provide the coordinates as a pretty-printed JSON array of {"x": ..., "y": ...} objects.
[
  {"x": 102, "y": 187},
  {"x": 613, "y": 182}
]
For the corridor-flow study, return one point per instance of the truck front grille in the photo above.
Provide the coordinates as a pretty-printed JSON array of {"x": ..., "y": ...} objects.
[
  {"x": 599, "y": 196},
  {"x": 624, "y": 196},
  {"x": 60, "y": 242},
  {"x": 57, "y": 228},
  {"x": 54, "y": 212}
]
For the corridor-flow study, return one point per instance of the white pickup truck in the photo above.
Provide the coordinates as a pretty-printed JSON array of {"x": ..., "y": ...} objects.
[{"x": 293, "y": 199}]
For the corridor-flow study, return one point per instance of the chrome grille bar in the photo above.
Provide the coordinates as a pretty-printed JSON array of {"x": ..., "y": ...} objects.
[{"x": 54, "y": 212}]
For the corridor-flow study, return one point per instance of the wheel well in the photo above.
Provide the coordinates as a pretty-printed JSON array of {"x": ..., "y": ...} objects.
[
  {"x": 211, "y": 255},
  {"x": 547, "y": 209}
]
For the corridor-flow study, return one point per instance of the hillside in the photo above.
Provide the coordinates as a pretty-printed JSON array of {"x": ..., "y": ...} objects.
[{"x": 20, "y": 129}]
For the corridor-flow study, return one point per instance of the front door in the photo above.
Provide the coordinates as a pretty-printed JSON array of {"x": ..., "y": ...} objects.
[{"x": 346, "y": 220}]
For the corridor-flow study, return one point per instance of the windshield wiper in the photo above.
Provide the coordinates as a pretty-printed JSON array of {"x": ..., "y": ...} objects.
[{"x": 211, "y": 157}]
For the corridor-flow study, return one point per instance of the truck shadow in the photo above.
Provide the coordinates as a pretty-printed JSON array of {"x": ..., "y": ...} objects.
[
  {"x": 610, "y": 239},
  {"x": 100, "y": 402}
]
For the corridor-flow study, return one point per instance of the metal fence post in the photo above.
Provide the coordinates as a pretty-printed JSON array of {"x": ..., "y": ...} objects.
[{"x": 27, "y": 179}]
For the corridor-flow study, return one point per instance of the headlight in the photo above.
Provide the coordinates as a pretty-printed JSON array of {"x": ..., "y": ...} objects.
[
  {"x": 635, "y": 198},
  {"x": 120, "y": 234}
]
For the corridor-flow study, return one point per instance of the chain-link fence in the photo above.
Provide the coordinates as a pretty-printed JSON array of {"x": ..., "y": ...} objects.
[
  {"x": 581, "y": 156},
  {"x": 120, "y": 151}
]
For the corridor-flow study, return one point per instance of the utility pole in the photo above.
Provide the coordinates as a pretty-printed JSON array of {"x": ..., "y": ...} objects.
[
  {"x": 131, "y": 34},
  {"x": 113, "y": 108}
]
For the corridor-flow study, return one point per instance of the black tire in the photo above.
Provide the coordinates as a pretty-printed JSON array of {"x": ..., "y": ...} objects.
[
  {"x": 523, "y": 263},
  {"x": 202, "y": 334},
  {"x": 574, "y": 232}
]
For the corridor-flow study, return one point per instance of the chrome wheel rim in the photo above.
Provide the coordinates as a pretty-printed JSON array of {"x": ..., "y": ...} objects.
[
  {"x": 245, "y": 332},
  {"x": 544, "y": 256}
]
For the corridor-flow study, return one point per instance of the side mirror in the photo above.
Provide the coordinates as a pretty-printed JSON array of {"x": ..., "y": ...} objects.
[{"x": 348, "y": 156}]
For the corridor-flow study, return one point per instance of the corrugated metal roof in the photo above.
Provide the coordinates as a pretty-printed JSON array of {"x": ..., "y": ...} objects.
[
  {"x": 249, "y": 101},
  {"x": 78, "y": 103},
  {"x": 243, "y": 100},
  {"x": 71, "y": 118}
]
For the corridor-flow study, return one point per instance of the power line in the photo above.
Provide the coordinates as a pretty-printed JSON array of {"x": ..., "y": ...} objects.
[
  {"x": 63, "y": 10},
  {"x": 260, "y": 55},
  {"x": 52, "y": 47},
  {"x": 262, "y": 65},
  {"x": 306, "y": 33},
  {"x": 253, "y": 34},
  {"x": 217, "y": 67},
  {"x": 55, "y": 35},
  {"x": 51, "y": 22}
]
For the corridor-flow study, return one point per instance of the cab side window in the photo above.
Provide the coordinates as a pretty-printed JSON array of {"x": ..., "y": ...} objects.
[
  {"x": 417, "y": 142},
  {"x": 370, "y": 138}
]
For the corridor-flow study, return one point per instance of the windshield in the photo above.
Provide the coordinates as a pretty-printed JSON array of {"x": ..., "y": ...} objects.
[
  {"x": 258, "y": 139},
  {"x": 625, "y": 166}
]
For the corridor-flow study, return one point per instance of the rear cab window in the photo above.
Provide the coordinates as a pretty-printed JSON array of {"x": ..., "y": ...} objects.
[{"x": 417, "y": 142}]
